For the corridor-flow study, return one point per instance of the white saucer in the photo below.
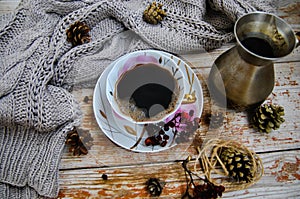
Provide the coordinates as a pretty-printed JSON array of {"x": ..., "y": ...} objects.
[{"x": 132, "y": 137}]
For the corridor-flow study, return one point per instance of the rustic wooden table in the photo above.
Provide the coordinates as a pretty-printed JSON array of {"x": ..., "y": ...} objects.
[{"x": 127, "y": 172}]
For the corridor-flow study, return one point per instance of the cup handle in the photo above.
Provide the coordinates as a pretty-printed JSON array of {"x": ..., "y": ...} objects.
[{"x": 297, "y": 39}]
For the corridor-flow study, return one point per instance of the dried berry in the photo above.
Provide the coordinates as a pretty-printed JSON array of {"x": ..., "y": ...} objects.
[
  {"x": 78, "y": 33},
  {"x": 154, "y": 13},
  {"x": 152, "y": 141},
  {"x": 104, "y": 176},
  {"x": 163, "y": 143},
  {"x": 160, "y": 139},
  {"x": 166, "y": 128},
  {"x": 166, "y": 137}
]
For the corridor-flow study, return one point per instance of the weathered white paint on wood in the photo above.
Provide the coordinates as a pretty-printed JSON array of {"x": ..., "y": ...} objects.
[{"x": 80, "y": 177}]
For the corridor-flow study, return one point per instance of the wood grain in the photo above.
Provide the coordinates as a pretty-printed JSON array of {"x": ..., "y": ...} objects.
[
  {"x": 81, "y": 176},
  {"x": 235, "y": 125},
  {"x": 281, "y": 169}
]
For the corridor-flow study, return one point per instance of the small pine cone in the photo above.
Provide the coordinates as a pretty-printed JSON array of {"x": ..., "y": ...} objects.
[
  {"x": 268, "y": 117},
  {"x": 86, "y": 138},
  {"x": 78, "y": 33},
  {"x": 76, "y": 145},
  {"x": 216, "y": 120},
  {"x": 72, "y": 138},
  {"x": 238, "y": 164},
  {"x": 154, "y": 13},
  {"x": 154, "y": 187}
]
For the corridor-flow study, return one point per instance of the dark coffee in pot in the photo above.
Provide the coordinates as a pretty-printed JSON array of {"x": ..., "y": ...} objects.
[{"x": 258, "y": 46}]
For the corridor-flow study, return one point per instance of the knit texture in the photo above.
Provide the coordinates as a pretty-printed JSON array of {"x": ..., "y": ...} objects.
[{"x": 38, "y": 67}]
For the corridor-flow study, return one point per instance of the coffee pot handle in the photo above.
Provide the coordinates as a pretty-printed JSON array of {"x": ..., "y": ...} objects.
[{"x": 297, "y": 39}]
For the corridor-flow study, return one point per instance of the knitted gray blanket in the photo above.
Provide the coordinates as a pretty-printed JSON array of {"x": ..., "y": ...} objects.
[{"x": 38, "y": 66}]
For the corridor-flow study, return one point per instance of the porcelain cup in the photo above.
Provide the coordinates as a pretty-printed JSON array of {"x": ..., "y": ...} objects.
[{"x": 126, "y": 108}]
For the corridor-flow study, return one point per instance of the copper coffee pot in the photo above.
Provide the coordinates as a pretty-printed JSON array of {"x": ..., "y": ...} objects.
[{"x": 244, "y": 75}]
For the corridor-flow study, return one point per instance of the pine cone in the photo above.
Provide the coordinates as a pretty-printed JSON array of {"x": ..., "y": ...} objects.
[
  {"x": 238, "y": 164},
  {"x": 154, "y": 187},
  {"x": 216, "y": 120},
  {"x": 78, "y": 33},
  {"x": 76, "y": 145},
  {"x": 268, "y": 117},
  {"x": 154, "y": 13},
  {"x": 86, "y": 138}
]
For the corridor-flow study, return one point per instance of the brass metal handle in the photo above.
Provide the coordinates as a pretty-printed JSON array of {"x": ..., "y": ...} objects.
[{"x": 297, "y": 39}]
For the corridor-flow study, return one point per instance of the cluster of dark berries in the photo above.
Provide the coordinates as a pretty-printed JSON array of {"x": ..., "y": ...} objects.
[
  {"x": 188, "y": 127},
  {"x": 182, "y": 125},
  {"x": 161, "y": 138},
  {"x": 205, "y": 190},
  {"x": 208, "y": 190}
]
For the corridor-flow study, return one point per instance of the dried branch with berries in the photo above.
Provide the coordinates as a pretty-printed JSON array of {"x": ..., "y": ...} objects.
[{"x": 198, "y": 187}]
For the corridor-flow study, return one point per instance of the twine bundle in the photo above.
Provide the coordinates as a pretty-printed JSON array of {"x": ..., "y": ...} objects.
[{"x": 210, "y": 161}]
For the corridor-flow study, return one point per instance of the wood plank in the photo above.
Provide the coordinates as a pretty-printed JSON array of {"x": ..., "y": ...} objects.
[
  {"x": 281, "y": 169},
  {"x": 206, "y": 59},
  {"x": 289, "y": 11},
  {"x": 235, "y": 126}
]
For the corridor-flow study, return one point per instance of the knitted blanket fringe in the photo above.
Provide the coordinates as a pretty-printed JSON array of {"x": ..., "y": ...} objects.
[{"x": 38, "y": 67}]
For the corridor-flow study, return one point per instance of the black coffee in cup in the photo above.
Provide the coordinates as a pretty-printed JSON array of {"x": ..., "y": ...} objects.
[{"x": 147, "y": 92}]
